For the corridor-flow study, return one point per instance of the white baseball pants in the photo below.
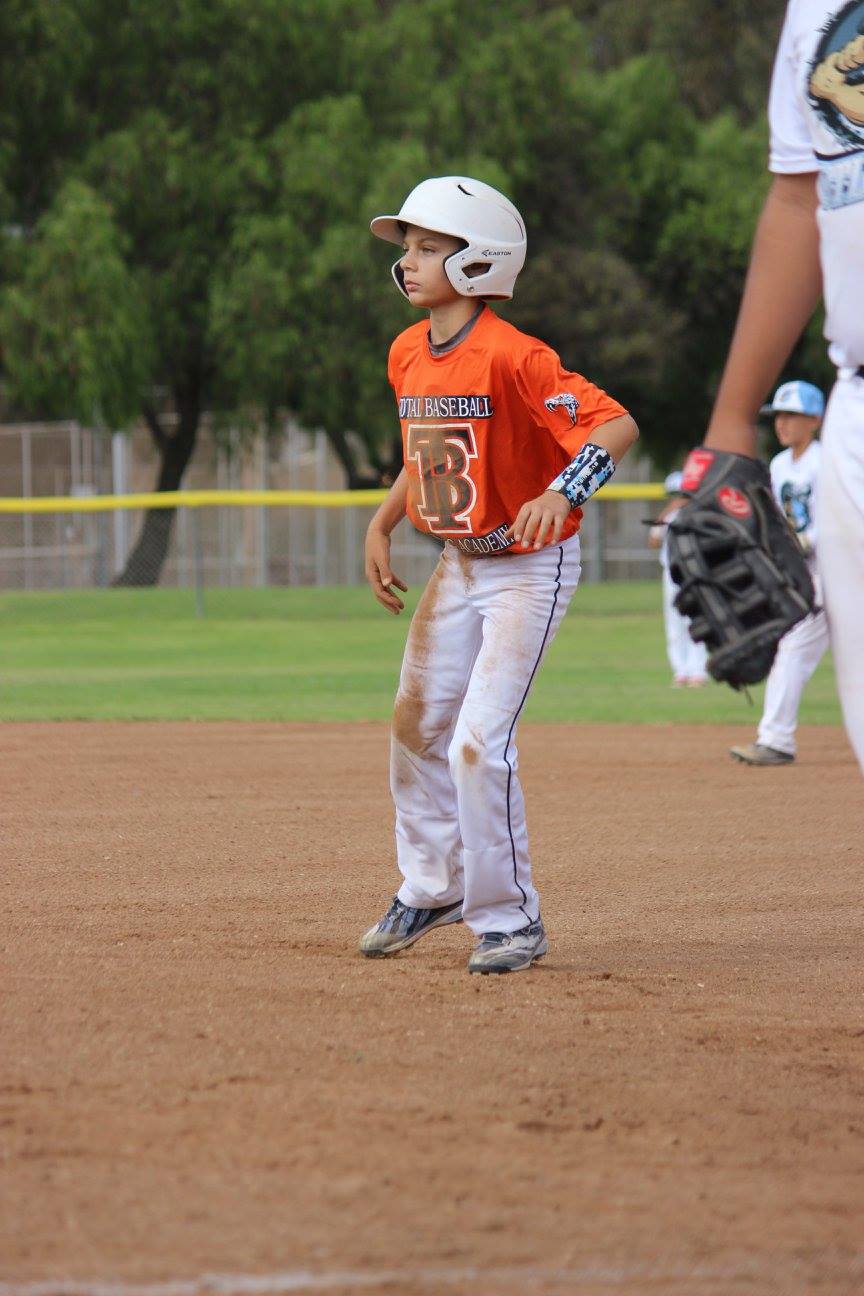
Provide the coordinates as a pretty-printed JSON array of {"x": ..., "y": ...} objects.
[
  {"x": 475, "y": 645},
  {"x": 840, "y": 550},
  {"x": 798, "y": 654},
  {"x": 687, "y": 659}
]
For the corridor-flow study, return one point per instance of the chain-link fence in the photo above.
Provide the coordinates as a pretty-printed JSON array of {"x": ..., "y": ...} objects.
[
  {"x": 208, "y": 544},
  {"x": 67, "y": 522}
]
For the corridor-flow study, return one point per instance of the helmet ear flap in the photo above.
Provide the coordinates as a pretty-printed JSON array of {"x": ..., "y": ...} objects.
[
  {"x": 455, "y": 270},
  {"x": 399, "y": 276}
]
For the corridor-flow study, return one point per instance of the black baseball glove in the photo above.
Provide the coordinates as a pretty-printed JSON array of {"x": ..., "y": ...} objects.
[{"x": 742, "y": 574}]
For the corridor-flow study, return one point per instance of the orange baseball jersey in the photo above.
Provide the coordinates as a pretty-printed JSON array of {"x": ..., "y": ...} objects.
[{"x": 486, "y": 427}]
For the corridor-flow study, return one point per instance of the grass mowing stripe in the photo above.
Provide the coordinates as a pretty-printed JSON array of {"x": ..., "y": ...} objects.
[{"x": 328, "y": 654}]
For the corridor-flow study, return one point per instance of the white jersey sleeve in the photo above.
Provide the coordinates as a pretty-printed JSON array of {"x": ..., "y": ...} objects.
[{"x": 791, "y": 143}]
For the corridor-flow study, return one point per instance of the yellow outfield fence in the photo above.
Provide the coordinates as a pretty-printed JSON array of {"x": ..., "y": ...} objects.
[
  {"x": 201, "y": 538},
  {"x": 265, "y": 498}
]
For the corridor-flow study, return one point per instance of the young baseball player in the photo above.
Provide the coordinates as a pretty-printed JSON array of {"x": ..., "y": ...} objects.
[
  {"x": 797, "y": 409},
  {"x": 686, "y": 657},
  {"x": 501, "y": 447},
  {"x": 810, "y": 239}
]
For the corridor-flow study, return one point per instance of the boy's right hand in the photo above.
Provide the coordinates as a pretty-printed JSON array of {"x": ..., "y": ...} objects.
[{"x": 380, "y": 574}]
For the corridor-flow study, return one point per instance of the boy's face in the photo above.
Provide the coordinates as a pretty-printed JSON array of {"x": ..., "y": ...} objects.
[
  {"x": 795, "y": 430},
  {"x": 422, "y": 262}
]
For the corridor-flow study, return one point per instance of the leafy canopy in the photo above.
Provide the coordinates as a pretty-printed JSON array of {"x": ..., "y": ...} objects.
[{"x": 186, "y": 189}]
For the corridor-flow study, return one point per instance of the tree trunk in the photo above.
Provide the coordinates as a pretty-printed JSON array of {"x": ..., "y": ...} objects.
[
  {"x": 145, "y": 562},
  {"x": 357, "y": 480},
  {"x": 396, "y": 463}
]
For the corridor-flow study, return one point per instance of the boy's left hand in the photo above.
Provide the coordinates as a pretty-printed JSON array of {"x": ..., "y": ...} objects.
[{"x": 534, "y": 519}]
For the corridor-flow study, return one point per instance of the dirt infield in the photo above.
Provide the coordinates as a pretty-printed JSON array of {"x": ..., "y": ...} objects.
[{"x": 200, "y": 1076}]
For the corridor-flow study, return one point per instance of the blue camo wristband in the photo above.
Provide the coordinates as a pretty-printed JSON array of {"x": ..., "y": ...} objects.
[{"x": 592, "y": 467}]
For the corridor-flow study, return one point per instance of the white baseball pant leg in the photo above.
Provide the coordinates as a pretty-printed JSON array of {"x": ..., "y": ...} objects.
[
  {"x": 840, "y": 551},
  {"x": 475, "y": 645},
  {"x": 687, "y": 659},
  {"x": 798, "y": 654},
  {"x": 697, "y": 659}
]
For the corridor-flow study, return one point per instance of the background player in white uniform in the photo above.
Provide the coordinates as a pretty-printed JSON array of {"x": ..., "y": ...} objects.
[
  {"x": 810, "y": 233},
  {"x": 686, "y": 657},
  {"x": 797, "y": 408}
]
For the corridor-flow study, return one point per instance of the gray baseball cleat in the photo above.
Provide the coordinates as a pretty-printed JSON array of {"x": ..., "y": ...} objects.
[
  {"x": 509, "y": 951},
  {"x": 757, "y": 754},
  {"x": 402, "y": 926}
]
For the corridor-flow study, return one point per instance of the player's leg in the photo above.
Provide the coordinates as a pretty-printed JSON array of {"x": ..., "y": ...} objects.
[
  {"x": 841, "y": 546},
  {"x": 697, "y": 662},
  {"x": 442, "y": 643},
  {"x": 522, "y": 600},
  {"x": 677, "y": 635},
  {"x": 687, "y": 659},
  {"x": 798, "y": 654},
  {"x": 694, "y": 658}
]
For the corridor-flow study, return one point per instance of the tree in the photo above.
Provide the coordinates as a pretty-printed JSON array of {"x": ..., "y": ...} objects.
[
  {"x": 436, "y": 87},
  {"x": 180, "y": 100},
  {"x": 236, "y": 149},
  {"x": 47, "y": 52},
  {"x": 74, "y": 334},
  {"x": 719, "y": 55},
  {"x": 191, "y": 161}
]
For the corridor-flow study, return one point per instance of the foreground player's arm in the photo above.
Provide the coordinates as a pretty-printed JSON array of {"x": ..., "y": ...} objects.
[
  {"x": 782, "y": 289},
  {"x": 593, "y": 465},
  {"x": 379, "y": 573}
]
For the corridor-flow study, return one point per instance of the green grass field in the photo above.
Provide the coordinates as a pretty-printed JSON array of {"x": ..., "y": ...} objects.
[{"x": 325, "y": 654}]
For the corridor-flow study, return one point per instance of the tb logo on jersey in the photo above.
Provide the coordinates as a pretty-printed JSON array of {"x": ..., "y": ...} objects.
[{"x": 442, "y": 452}]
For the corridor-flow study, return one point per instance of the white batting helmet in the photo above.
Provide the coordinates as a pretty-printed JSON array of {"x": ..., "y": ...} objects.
[{"x": 487, "y": 222}]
